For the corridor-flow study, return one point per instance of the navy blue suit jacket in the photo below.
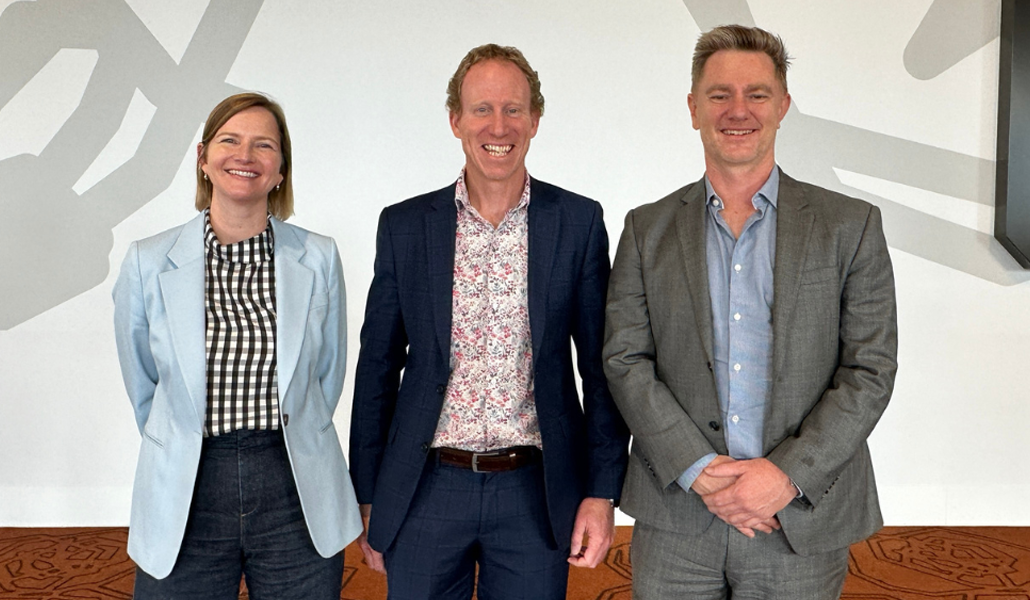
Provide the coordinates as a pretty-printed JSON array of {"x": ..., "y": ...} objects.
[{"x": 408, "y": 327}]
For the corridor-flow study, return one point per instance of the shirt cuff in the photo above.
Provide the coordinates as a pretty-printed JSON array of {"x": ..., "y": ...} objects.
[{"x": 687, "y": 478}]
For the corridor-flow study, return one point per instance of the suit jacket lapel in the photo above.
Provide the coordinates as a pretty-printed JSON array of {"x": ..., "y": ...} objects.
[
  {"x": 793, "y": 230},
  {"x": 182, "y": 290},
  {"x": 441, "y": 227},
  {"x": 690, "y": 228},
  {"x": 544, "y": 225},
  {"x": 293, "y": 288}
]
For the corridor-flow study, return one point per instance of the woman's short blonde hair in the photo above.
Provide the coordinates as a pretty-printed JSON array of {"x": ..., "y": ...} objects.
[{"x": 280, "y": 200}]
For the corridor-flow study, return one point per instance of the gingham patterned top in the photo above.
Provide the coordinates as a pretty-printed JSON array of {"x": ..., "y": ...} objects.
[{"x": 239, "y": 296}]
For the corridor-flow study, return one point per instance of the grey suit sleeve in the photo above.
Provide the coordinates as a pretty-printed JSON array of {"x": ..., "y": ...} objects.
[
  {"x": 662, "y": 430},
  {"x": 839, "y": 423}
]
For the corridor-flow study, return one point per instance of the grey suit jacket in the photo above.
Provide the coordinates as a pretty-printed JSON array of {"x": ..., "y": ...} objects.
[{"x": 834, "y": 360}]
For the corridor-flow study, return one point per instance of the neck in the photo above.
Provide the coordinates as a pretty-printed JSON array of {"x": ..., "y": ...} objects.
[
  {"x": 493, "y": 199},
  {"x": 736, "y": 186},
  {"x": 233, "y": 223}
]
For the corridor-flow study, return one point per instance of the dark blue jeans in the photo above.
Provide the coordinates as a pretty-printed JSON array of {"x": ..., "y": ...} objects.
[
  {"x": 246, "y": 520},
  {"x": 458, "y": 520}
]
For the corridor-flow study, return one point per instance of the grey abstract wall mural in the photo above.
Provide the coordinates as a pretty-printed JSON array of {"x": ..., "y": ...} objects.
[
  {"x": 44, "y": 197},
  {"x": 811, "y": 148},
  {"x": 54, "y": 240}
]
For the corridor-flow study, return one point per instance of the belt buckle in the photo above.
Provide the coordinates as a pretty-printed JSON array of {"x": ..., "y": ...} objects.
[{"x": 477, "y": 455}]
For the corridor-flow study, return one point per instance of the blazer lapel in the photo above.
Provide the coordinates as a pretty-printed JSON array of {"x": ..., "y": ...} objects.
[
  {"x": 441, "y": 227},
  {"x": 690, "y": 228},
  {"x": 793, "y": 230},
  {"x": 182, "y": 290},
  {"x": 544, "y": 225},
  {"x": 293, "y": 288}
]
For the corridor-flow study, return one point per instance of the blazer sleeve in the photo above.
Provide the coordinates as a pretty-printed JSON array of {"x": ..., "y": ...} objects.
[
  {"x": 132, "y": 337},
  {"x": 662, "y": 430},
  {"x": 332, "y": 358},
  {"x": 850, "y": 407},
  {"x": 382, "y": 356},
  {"x": 607, "y": 434}
]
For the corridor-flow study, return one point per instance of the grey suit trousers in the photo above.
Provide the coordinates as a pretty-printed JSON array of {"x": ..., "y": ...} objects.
[{"x": 723, "y": 563}]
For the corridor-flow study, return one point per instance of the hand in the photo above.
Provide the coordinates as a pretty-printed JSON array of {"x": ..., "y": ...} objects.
[
  {"x": 708, "y": 484},
  {"x": 751, "y": 502},
  {"x": 373, "y": 558},
  {"x": 593, "y": 532}
]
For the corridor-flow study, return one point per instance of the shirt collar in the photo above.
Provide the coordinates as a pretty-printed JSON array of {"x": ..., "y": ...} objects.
[
  {"x": 257, "y": 249},
  {"x": 461, "y": 194},
  {"x": 769, "y": 192}
]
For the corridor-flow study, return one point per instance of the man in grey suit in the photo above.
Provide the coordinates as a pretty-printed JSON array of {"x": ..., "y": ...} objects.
[{"x": 751, "y": 345}]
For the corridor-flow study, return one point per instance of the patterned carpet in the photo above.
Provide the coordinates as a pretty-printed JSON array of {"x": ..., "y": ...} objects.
[{"x": 900, "y": 563}]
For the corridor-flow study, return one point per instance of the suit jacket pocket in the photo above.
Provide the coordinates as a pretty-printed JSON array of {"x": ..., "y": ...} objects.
[
  {"x": 820, "y": 275},
  {"x": 150, "y": 437},
  {"x": 318, "y": 300}
]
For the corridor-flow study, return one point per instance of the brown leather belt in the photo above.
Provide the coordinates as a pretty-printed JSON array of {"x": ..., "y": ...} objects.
[{"x": 505, "y": 459}]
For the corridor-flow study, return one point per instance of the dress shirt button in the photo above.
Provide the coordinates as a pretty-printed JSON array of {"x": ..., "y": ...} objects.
[
  {"x": 737, "y": 268},
  {"x": 716, "y": 203},
  {"x": 735, "y": 418},
  {"x": 714, "y": 425},
  {"x": 286, "y": 420},
  {"x": 441, "y": 389},
  {"x": 736, "y": 317},
  {"x": 736, "y": 367}
]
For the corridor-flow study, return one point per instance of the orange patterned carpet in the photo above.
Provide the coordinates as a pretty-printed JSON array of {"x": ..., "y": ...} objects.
[{"x": 900, "y": 563}]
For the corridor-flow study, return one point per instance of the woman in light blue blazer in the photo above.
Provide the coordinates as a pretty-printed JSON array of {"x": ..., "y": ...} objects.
[{"x": 231, "y": 333}]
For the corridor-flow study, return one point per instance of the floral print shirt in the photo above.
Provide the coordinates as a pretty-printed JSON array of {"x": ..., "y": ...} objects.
[{"x": 489, "y": 402}]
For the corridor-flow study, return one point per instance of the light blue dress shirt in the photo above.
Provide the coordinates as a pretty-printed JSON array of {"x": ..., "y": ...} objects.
[{"x": 740, "y": 284}]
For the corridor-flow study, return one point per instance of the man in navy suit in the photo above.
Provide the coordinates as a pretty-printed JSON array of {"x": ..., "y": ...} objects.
[{"x": 483, "y": 454}]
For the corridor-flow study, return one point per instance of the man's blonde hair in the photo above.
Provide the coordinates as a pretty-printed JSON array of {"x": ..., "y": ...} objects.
[{"x": 738, "y": 37}]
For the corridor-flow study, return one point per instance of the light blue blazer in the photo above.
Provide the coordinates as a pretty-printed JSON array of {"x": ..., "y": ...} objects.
[{"x": 159, "y": 329}]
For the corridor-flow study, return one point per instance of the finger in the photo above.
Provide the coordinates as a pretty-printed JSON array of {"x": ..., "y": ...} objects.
[
  {"x": 375, "y": 561},
  {"x": 367, "y": 553},
  {"x": 746, "y": 531},
  {"x": 763, "y": 528},
  {"x": 726, "y": 469},
  {"x": 576, "y": 547},
  {"x": 594, "y": 553}
]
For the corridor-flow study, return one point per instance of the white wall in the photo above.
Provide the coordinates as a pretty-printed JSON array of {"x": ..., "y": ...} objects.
[{"x": 363, "y": 87}]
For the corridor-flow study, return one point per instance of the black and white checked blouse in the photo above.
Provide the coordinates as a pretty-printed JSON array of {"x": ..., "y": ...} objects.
[{"x": 239, "y": 296}]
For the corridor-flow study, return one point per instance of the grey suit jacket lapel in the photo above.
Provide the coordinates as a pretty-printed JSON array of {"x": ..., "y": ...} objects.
[
  {"x": 690, "y": 229},
  {"x": 793, "y": 231},
  {"x": 544, "y": 225},
  {"x": 441, "y": 227},
  {"x": 182, "y": 290},
  {"x": 293, "y": 288}
]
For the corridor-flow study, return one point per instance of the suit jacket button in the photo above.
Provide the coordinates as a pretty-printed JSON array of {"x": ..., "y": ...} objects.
[
  {"x": 441, "y": 389},
  {"x": 714, "y": 425},
  {"x": 286, "y": 420},
  {"x": 425, "y": 447},
  {"x": 709, "y": 365}
]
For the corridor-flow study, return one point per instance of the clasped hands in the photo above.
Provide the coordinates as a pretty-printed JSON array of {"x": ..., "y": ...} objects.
[{"x": 746, "y": 494}]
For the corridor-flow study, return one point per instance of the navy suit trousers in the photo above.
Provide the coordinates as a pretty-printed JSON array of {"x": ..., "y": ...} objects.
[{"x": 460, "y": 519}]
